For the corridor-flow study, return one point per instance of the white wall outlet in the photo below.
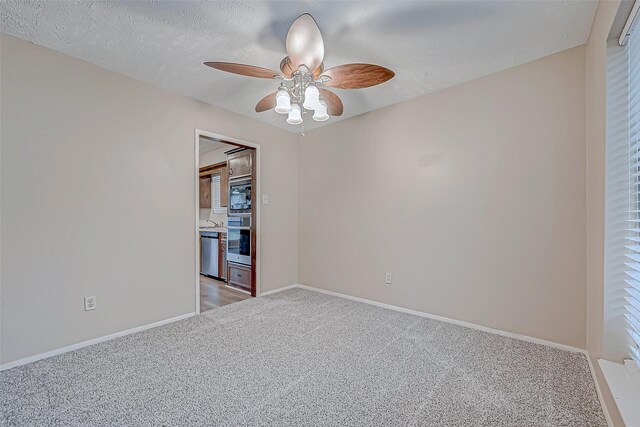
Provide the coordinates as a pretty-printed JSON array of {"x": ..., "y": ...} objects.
[
  {"x": 387, "y": 278},
  {"x": 89, "y": 303},
  {"x": 265, "y": 199}
]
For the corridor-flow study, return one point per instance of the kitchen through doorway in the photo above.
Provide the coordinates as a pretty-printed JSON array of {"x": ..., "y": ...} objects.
[{"x": 226, "y": 221}]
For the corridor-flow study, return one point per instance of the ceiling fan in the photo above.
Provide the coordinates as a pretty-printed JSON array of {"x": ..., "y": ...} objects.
[{"x": 302, "y": 72}]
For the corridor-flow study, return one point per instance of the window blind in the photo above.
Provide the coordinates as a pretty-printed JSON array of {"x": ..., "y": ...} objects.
[
  {"x": 632, "y": 297},
  {"x": 215, "y": 194}
]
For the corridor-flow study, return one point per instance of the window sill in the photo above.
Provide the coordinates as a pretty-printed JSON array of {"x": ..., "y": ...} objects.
[{"x": 625, "y": 392}]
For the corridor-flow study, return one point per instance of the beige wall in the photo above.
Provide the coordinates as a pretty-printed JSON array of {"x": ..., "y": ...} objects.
[
  {"x": 98, "y": 199},
  {"x": 473, "y": 197},
  {"x": 596, "y": 67}
]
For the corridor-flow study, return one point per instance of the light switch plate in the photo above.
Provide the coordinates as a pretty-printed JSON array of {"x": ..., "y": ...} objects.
[
  {"x": 265, "y": 199},
  {"x": 387, "y": 278},
  {"x": 89, "y": 303}
]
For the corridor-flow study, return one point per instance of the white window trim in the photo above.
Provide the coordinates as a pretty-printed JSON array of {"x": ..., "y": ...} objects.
[
  {"x": 622, "y": 146},
  {"x": 621, "y": 380}
]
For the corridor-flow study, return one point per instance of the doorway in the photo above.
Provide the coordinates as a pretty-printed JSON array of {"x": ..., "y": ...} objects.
[{"x": 227, "y": 220}]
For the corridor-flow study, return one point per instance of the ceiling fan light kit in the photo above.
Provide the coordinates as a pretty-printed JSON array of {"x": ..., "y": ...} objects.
[{"x": 301, "y": 74}]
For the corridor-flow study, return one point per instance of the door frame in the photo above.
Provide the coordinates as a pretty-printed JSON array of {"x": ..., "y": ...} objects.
[{"x": 196, "y": 173}]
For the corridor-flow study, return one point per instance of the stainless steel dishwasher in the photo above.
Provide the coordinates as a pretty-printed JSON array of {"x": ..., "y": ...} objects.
[{"x": 209, "y": 253}]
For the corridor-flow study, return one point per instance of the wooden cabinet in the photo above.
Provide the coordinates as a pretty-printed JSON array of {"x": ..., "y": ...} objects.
[
  {"x": 205, "y": 192},
  {"x": 239, "y": 276},
  {"x": 224, "y": 185},
  {"x": 240, "y": 163}
]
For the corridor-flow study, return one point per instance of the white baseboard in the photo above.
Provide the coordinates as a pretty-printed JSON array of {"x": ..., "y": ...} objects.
[
  {"x": 80, "y": 345},
  {"x": 449, "y": 320},
  {"x": 275, "y": 291}
]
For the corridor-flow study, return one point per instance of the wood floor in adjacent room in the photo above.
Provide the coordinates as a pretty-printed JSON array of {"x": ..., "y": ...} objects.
[{"x": 214, "y": 294}]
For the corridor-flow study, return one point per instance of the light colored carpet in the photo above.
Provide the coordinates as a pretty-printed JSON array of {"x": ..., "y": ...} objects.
[{"x": 301, "y": 358}]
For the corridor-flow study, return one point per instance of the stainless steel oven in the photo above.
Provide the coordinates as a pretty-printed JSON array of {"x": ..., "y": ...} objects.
[
  {"x": 239, "y": 240},
  {"x": 239, "y": 203}
]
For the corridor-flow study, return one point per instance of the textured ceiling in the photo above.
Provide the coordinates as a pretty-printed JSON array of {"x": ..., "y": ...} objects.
[
  {"x": 430, "y": 45},
  {"x": 206, "y": 145}
]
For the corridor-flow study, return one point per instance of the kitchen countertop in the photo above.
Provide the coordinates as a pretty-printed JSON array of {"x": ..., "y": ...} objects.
[{"x": 215, "y": 230}]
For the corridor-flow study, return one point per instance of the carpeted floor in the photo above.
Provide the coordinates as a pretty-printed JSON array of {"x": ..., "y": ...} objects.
[{"x": 301, "y": 358}]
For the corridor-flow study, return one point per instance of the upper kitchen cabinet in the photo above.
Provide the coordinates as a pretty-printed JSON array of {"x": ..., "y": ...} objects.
[
  {"x": 205, "y": 191},
  {"x": 240, "y": 163}
]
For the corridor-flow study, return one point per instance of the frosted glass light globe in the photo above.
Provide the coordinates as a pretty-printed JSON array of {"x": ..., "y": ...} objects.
[
  {"x": 295, "y": 116},
  {"x": 311, "y": 98},
  {"x": 320, "y": 114},
  {"x": 283, "y": 102}
]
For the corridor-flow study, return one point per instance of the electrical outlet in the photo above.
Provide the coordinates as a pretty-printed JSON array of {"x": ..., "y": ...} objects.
[
  {"x": 265, "y": 199},
  {"x": 387, "y": 278},
  {"x": 89, "y": 303}
]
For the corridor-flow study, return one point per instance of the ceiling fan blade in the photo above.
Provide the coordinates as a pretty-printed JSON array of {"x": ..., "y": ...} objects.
[
  {"x": 304, "y": 43},
  {"x": 334, "y": 104},
  {"x": 266, "y": 103},
  {"x": 318, "y": 71},
  {"x": 357, "y": 76},
  {"x": 244, "y": 70}
]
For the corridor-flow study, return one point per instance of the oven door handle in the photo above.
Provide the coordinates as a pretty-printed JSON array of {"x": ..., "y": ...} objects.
[{"x": 240, "y": 179}]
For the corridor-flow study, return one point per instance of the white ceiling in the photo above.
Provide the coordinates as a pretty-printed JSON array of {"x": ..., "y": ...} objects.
[
  {"x": 429, "y": 44},
  {"x": 206, "y": 145}
]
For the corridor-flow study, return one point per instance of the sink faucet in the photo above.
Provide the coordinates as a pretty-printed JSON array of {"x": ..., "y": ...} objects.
[{"x": 215, "y": 224}]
